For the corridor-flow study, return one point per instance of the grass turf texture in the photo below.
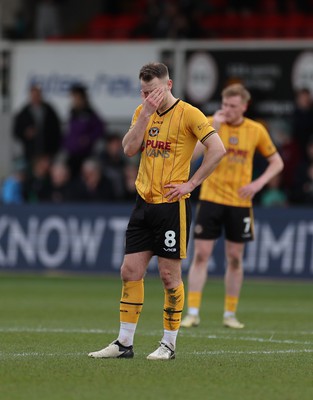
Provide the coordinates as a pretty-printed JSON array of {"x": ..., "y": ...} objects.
[{"x": 49, "y": 324}]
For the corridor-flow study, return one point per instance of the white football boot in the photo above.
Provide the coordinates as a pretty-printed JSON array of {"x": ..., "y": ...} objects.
[
  {"x": 163, "y": 352},
  {"x": 114, "y": 350}
]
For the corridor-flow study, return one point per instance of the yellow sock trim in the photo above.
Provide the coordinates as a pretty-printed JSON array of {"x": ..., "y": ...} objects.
[
  {"x": 173, "y": 307},
  {"x": 194, "y": 299},
  {"x": 131, "y": 301},
  {"x": 231, "y": 303}
]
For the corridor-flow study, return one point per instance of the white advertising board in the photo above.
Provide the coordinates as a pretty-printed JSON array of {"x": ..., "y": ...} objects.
[{"x": 110, "y": 71}]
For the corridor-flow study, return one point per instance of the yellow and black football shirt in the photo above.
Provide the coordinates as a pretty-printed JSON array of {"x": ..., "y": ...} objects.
[
  {"x": 235, "y": 168},
  {"x": 167, "y": 148}
]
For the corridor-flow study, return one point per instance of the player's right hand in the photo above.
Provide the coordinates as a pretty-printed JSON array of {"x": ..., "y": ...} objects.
[
  {"x": 153, "y": 101},
  {"x": 219, "y": 117}
]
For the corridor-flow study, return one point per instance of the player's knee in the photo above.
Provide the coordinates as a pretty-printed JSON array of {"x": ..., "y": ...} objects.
[
  {"x": 234, "y": 260},
  {"x": 128, "y": 273},
  {"x": 201, "y": 259},
  {"x": 169, "y": 279},
  {"x": 166, "y": 277}
]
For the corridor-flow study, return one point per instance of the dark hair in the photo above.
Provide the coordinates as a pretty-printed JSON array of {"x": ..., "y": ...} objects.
[
  {"x": 79, "y": 89},
  {"x": 35, "y": 86},
  {"x": 153, "y": 70},
  {"x": 303, "y": 90}
]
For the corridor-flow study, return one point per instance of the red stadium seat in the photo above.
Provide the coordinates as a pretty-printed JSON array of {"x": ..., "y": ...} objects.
[
  {"x": 294, "y": 26},
  {"x": 272, "y": 26},
  {"x": 112, "y": 27},
  {"x": 231, "y": 26},
  {"x": 251, "y": 26},
  {"x": 100, "y": 27},
  {"x": 123, "y": 26},
  {"x": 308, "y": 26},
  {"x": 211, "y": 25}
]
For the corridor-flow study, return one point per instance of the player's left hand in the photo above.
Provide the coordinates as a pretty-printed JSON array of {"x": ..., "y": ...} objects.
[
  {"x": 177, "y": 191},
  {"x": 249, "y": 191}
]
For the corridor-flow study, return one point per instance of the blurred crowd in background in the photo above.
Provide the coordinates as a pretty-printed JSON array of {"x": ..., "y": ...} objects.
[{"x": 80, "y": 160}]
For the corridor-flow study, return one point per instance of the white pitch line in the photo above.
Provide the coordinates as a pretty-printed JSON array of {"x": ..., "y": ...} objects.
[
  {"x": 192, "y": 334},
  {"x": 198, "y": 353},
  {"x": 55, "y": 330},
  {"x": 261, "y": 340},
  {"x": 243, "y": 352},
  {"x": 256, "y": 331},
  {"x": 37, "y": 354}
]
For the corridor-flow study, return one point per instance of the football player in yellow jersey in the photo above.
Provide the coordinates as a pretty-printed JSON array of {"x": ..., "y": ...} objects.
[
  {"x": 226, "y": 201},
  {"x": 165, "y": 130}
]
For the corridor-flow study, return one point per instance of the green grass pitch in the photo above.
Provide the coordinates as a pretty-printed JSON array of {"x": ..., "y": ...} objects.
[{"x": 49, "y": 324}]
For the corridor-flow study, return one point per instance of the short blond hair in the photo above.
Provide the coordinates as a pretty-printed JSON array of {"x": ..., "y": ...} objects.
[{"x": 237, "y": 89}]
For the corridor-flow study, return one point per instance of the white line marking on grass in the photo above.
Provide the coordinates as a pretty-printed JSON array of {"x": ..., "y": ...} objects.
[
  {"x": 260, "y": 340},
  {"x": 183, "y": 333},
  {"x": 56, "y": 330},
  {"x": 271, "y": 332},
  {"x": 244, "y": 352},
  {"x": 198, "y": 353},
  {"x": 37, "y": 354}
]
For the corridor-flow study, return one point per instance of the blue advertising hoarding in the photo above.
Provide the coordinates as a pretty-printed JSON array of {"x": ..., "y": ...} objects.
[{"x": 90, "y": 238}]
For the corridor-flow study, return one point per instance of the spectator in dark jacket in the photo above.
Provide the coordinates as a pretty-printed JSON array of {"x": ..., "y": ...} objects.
[
  {"x": 37, "y": 127},
  {"x": 37, "y": 181},
  {"x": 302, "y": 190},
  {"x": 92, "y": 185},
  {"x": 113, "y": 163},
  {"x": 302, "y": 119},
  {"x": 85, "y": 129},
  {"x": 60, "y": 184}
]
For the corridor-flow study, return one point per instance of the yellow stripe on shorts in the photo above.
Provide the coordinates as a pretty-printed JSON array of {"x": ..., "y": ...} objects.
[{"x": 183, "y": 229}]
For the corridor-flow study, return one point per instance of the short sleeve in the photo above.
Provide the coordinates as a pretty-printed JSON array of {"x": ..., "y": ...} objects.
[
  {"x": 135, "y": 115},
  {"x": 199, "y": 124},
  {"x": 265, "y": 144}
]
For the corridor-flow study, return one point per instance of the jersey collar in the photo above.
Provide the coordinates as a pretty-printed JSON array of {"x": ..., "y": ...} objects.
[{"x": 169, "y": 109}]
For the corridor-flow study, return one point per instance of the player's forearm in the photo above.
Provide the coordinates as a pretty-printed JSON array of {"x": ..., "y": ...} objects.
[
  {"x": 274, "y": 167},
  {"x": 210, "y": 161},
  {"x": 198, "y": 151},
  {"x": 132, "y": 141}
]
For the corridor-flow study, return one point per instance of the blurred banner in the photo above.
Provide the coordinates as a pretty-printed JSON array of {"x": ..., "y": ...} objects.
[
  {"x": 271, "y": 70},
  {"x": 270, "y": 75},
  {"x": 91, "y": 239},
  {"x": 110, "y": 72}
]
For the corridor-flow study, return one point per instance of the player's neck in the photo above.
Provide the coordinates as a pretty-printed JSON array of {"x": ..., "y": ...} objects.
[
  {"x": 237, "y": 122},
  {"x": 170, "y": 101}
]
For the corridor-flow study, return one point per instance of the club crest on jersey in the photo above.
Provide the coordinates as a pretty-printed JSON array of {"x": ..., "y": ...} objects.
[
  {"x": 233, "y": 140},
  {"x": 154, "y": 131}
]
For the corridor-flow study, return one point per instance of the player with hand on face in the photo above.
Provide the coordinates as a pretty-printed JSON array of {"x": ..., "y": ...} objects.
[
  {"x": 225, "y": 201},
  {"x": 165, "y": 129}
]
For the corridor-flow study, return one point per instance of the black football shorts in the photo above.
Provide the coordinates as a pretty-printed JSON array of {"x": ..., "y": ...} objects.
[
  {"x": 213, "y": 219},
  {"x": 161, "y": 228}
]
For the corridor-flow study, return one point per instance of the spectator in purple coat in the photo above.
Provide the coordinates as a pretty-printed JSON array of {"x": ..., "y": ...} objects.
[{"x": 85, "y": 129}]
